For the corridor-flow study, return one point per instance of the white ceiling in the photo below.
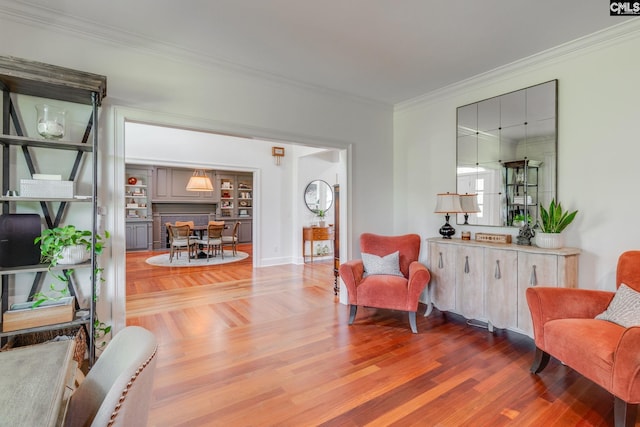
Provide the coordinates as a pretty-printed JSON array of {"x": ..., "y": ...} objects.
[{"x": 384, "y": 50}]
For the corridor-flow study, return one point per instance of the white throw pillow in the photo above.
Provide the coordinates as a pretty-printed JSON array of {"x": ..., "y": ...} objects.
[
  {"x": 624, "y": 308},
  {"x": 388, "y": 264}
]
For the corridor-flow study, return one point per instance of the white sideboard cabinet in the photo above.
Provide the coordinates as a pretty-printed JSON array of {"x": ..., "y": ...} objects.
[{"x": 487, "y": 281}]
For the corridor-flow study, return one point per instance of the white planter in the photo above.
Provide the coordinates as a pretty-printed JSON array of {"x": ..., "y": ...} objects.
[
  {"x": 74, "y": 255},
  {"x": 549, "y": 240}
]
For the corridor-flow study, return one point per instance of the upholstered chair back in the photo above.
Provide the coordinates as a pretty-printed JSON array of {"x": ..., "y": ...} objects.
[
  {"x": 628, "y": 271},
  {"x": 117, "y": 390},
  {"x": 408, "y": 245}
]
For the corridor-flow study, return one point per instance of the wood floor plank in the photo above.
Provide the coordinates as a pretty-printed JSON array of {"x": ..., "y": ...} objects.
[{"x": 271, "y": 346}]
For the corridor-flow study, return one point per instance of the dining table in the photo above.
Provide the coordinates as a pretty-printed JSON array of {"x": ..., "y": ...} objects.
[
  {"x": 36, "y": 382},
  {"x": 199, "y": 230}
]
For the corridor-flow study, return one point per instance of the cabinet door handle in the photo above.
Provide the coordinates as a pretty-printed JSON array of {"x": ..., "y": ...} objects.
[
  {"x": 533, "y": 280},
  {"x": 497, "y": 274},
  {"x": 440, "y": 262},
  {"x": 466, "y": 264}
]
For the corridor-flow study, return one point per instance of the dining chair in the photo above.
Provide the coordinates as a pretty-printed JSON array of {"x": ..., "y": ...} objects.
[
  {"x": 191, "y": 224},
  {"x": 213, "y": 240},
  {"x": 231, "y": 240},
  {"x": 117, "y": 390},
  {"x": 180, "y": 237}
]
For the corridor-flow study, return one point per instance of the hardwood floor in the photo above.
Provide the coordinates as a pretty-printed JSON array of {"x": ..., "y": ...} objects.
[{"x": 271, "y": 347}]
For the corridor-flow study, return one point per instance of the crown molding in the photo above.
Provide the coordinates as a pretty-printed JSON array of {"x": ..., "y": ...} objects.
[
  {"x": 582, "y": 46},
  {"x": 53, "y": 20}
]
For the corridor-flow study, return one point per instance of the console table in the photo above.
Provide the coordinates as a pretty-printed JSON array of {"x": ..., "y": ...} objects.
[
  {"x": 487, "y": 281},
  {"x": 315, "y": 234}
]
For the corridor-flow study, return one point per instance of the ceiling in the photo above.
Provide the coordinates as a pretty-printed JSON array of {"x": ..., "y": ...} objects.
[{"x": 384, "y": 50}]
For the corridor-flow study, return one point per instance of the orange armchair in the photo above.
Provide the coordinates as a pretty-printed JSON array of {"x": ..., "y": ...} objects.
[
  {"x": 608, "y": 354},
  {"x": 395, "y": 292}
]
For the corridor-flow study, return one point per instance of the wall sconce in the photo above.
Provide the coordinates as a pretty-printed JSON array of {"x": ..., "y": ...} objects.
[
  {"x": 448, "y": 203},
  {"x": 199, "y": 181},
  {"x": 277, "y": 153},
  {"x": 469, "y": 204}
]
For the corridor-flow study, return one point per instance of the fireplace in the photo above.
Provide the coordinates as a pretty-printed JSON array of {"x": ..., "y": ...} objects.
[{"x": 200, "y": 214}]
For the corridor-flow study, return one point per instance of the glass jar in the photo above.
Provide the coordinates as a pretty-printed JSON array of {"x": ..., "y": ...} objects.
[{"x": 50, "y": 121}]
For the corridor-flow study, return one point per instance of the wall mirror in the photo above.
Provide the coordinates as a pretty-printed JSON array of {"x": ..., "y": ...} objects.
[
  {"x": 506, "y": 154},
  {"x": 318, "y": 196}
]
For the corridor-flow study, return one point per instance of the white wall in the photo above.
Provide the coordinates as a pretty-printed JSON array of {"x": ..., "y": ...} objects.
[
  {"x": 146, "y": 84},
  {"x": 598, "y": 149}
]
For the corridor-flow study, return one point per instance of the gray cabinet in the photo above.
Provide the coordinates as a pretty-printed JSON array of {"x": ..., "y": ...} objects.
[
  {"x": 138, "y": 209},
  {"x": 170, "y": 186},
  {"x": 138, "y": 235},
  {"x": 244, "y": 231}
]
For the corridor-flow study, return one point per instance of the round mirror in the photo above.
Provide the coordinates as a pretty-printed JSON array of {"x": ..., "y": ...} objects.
[{"x": 318, "y": 196}]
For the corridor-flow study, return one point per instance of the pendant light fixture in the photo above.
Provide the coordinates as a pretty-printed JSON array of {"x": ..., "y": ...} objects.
[{"x": 199, "y": 181}]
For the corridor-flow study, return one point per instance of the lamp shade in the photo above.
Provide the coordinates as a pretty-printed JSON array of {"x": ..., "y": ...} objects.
[
  {"x": 199, "y": 181},
  {"x": 448, "y": 203},
  {"x": 469, "y": 203}
]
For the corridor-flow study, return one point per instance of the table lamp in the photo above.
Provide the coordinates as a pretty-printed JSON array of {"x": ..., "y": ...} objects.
[
  {"x": 469, "y": 204},
  {"x": 448, "y": 203}
]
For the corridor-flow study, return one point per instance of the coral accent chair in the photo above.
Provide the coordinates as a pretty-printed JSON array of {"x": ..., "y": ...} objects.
[
  {"x": 608, "y": 354},
  {"x": 387, "y": 291}
]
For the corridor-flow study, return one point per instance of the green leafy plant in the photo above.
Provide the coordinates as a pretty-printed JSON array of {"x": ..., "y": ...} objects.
[
  {"x": 100, "y": 330},
  {"x": 52, "y": 241},
  {"x": 55, "y": 293},
  {"x": 520, "y": 218},
  {"x": 321, "y": 213},
  {"x": 555, "y": 219}
]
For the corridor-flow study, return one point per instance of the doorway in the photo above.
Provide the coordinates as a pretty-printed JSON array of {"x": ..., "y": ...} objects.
[{"x": 279, "y": 210}]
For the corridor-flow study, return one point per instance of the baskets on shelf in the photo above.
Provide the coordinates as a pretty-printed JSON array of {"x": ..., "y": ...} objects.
[{"x": 78, "y": 334}]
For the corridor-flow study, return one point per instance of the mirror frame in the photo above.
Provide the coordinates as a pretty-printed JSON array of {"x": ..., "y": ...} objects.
[
  {"x": 312, "y": 206},
  {"x": 529, "y": 115}
]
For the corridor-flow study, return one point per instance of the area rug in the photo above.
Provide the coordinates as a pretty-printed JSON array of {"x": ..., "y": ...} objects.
[{"x": 182, "y": 261}]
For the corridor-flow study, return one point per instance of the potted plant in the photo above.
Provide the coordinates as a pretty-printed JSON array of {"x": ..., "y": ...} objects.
[
  {"x": 519, "y": 220},
  {"x": 321, "y": 213},
  {"x": 552, "y": 222},
  {"x": 67, "y": 245}
]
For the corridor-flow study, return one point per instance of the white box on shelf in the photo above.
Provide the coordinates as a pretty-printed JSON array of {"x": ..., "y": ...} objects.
[
  {"x": 49, "y": 177},
  {"x": 46, "y": 188},
  {"x": 520, "y": 200}
]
